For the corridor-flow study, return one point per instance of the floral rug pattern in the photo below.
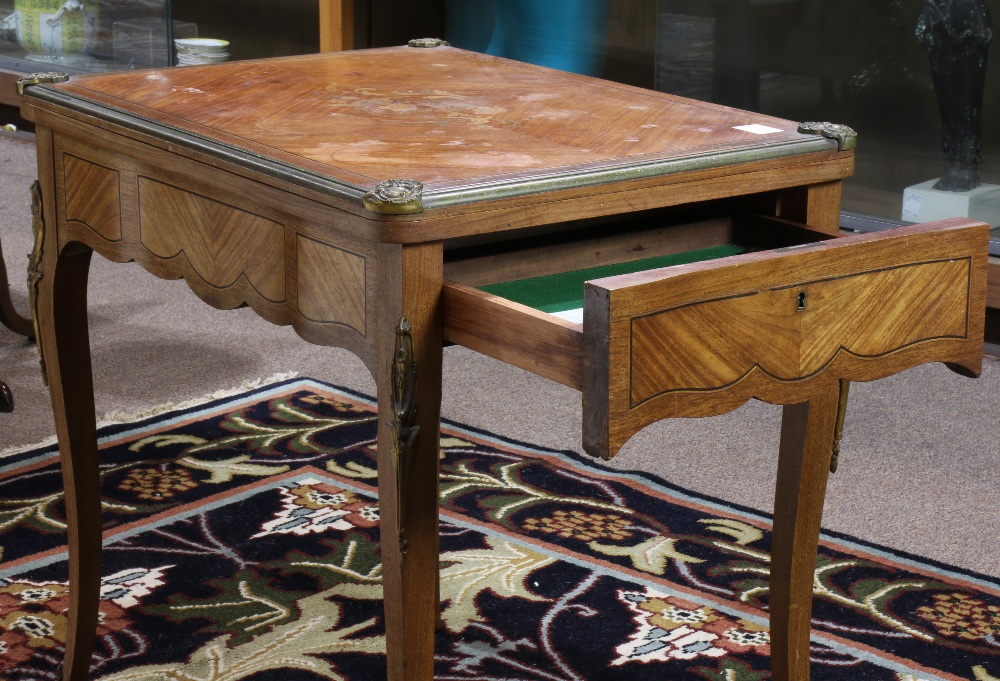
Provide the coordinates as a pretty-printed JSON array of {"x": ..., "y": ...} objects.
[{"x": 242, "y": 543}]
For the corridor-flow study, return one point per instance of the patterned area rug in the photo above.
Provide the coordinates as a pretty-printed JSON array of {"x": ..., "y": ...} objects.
[{"x": 242, "y": 543}]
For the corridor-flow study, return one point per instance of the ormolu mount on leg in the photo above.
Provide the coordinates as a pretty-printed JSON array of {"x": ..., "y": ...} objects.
[{"x": 404, "y": 407}]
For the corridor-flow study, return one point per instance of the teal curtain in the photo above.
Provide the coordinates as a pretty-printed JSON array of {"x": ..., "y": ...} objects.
[{"x": 562, "y": 34}]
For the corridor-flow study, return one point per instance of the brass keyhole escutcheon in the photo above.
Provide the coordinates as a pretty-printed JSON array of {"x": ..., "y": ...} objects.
[{"x": 801, "y": 301}]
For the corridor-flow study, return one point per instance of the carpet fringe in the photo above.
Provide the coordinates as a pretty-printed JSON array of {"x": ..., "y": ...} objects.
[{"x": 116, "y": 417}]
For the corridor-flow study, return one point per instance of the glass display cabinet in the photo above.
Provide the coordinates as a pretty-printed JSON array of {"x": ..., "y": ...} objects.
[
  {"x": 80, "y": 36},
  {"x": 870, "y": 65},
  {"x": 88, "y": 35}
]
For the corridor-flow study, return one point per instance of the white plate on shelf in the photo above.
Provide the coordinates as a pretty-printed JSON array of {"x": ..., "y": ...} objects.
[{"x": 202, "y": 45}]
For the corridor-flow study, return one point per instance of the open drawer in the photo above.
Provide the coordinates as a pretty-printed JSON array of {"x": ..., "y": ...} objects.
[{"x": 794, "y": 312}]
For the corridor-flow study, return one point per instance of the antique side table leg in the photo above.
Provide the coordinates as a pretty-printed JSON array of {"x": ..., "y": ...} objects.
[
  {"x": 9, "y": 316},
  {"x": 409, "y": 399},
  {"x": 807, "y": 434},
  {"x": 817, "y": 205},
  {"x": 62, "y": 317},
  {"x": 58, "y": 294}
]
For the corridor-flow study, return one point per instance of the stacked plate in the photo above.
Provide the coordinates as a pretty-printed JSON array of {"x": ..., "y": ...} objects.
[{"x": 201, "y": 51}]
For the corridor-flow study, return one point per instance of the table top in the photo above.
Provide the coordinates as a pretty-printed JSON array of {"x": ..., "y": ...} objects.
[{"x": 467, "y": 126}]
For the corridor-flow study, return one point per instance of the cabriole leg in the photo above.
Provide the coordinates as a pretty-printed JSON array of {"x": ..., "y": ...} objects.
[
  {"x": 65, "y": 347},
  {"x": 807, "y": 435}
]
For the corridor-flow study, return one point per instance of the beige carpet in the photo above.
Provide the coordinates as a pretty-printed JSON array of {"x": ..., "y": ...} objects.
[{"x": 920, "y": 468}]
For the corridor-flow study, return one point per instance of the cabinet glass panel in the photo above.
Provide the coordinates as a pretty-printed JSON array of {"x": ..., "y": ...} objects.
[
  {"x": 908, "y": 75},
  {"x": 79, "y": 36},
  {"x": 254, "y": 29}
]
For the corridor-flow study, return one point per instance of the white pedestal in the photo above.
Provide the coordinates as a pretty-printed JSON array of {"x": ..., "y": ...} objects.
[{"x": 923, "y": 203}]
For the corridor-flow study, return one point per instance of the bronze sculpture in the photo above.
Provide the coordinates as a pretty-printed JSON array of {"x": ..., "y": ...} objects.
[{"x": 956, "y": 35}]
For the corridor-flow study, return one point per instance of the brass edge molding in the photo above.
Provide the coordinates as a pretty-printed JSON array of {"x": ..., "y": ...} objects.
[
  {"x": 570, "y": 178},
  {"x": 40, "y": 77},
  {"x": 574, "y": 178},
  {"x": 428, "y": 42},
  {"x": 288, "y": 172},
  {"x": 845, "y": 136},
  {"x": 404, "y": 409},
  {"x": 34, "y": 273},
  {"x": 395, "y": 197},
  {"x": 838, "y": 432}
]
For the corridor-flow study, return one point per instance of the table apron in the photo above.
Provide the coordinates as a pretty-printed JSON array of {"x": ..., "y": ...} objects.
[{"x": 235, "y": 241}]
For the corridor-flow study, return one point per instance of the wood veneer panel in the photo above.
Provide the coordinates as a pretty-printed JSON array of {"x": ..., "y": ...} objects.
[
  {"x": 817, "y": 205},
  {"x": 222, "y": 244},
  {"x": 93, "y": 198},
  {"x": 701, "y": 339},
  {"x": 336, "y": 25},
  {"x": 714, "y": 344},
  {"x": 455, "y": 221},
  {"x": 341, "y": 300},
  {"x": 8, "y": 87}
]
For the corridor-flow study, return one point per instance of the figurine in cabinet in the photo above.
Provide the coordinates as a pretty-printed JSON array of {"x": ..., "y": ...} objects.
[{"x": 957, "y": 34}]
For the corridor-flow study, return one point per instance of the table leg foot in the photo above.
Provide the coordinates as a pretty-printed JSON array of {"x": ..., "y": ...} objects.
[
  {"x": 807, "y": 435},
  {"x": 9, "y": 316},
  {"x": 6, "y": 398}
]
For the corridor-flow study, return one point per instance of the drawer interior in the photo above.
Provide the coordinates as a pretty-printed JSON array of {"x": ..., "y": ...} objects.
[
  {"x": 547, "y": 272},
  {"x": 521, "y": 300},
  {"x": 561, "y": 294}
]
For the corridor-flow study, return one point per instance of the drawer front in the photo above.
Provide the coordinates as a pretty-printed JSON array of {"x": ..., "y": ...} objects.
[
  {"x": 717, "y": 343},
  {"x": 703, "y": 339}
]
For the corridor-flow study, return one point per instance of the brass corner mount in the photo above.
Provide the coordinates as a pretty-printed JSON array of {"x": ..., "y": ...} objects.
[
  {"x": 845, "y": 136},
  {"x": 395, "y": 197},
  {"x": 40, "y": 77}
]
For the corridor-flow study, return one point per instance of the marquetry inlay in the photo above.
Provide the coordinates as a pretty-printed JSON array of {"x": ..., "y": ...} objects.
[
  {"x": 221, "y": 243},
  {"x": 867, "y": 315},
  {"x": 93, "y": 199},
  {"x": 341, "y": 298}
]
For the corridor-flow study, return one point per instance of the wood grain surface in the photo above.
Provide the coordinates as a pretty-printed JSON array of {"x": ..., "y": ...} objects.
[
  {"x": 443, "y": 116},
  {"x": 240, "y": 178},
  {"x": 701, "y": 339}
]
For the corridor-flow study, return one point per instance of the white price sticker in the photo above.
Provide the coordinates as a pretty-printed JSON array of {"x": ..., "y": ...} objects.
[
  {"x": 911, "y": 205},
  {"x": 757, "y": 129}
]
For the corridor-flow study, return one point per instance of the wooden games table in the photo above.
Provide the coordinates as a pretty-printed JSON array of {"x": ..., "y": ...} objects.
[{"x": 364, "y": 198}]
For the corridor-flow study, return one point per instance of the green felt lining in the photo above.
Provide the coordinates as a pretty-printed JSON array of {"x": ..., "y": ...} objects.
[{"x": 564, "y": 291}]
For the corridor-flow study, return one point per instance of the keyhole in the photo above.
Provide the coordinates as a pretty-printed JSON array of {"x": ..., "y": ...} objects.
[{"x": 802, "y": 301}]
